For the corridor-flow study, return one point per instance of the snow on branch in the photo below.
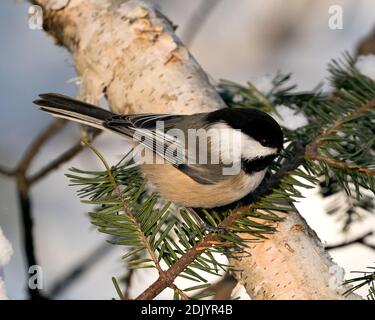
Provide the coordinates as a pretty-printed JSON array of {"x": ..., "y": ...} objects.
[{"x": 6, "y": 252}]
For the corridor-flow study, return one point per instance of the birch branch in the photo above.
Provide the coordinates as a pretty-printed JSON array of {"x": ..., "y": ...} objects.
[{"x": 128, "y": 51}]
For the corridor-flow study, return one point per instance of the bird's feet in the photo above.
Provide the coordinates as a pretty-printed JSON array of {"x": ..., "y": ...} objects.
[{"x": 206, "y": 227}]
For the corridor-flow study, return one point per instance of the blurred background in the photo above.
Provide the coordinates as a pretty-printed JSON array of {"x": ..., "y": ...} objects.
[{"x": 242, "y": 40}]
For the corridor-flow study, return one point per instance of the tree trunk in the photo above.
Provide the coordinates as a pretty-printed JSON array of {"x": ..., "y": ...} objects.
[{"x": 128, "y": 51}]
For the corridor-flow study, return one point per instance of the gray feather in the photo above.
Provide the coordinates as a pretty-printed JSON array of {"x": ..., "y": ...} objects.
[{"x": 142, "y": 124}]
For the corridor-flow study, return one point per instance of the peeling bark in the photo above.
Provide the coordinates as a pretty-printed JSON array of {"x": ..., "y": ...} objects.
[
  {"x": 128, "y": 51},
  {"x": 291, "y": 264}
]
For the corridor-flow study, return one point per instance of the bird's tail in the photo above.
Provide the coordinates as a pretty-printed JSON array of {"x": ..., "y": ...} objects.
[{"x": 68, "y": 108}]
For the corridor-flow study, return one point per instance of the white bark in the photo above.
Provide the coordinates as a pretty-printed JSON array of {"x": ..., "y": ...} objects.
[
  {"x": 128, "y": 51},
  {"x": 291, "y": 264}
]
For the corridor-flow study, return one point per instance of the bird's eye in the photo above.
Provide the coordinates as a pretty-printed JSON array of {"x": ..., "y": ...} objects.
[{"x": 263, "y": 141}]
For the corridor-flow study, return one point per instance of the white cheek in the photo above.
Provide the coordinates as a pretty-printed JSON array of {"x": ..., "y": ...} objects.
[
  {"x": 226, "y": 142},
  {"x": 232, "y": 145},
  {"x": 253, "y": 149}
]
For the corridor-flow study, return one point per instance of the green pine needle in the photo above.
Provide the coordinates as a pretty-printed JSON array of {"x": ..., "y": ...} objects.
[{"x": 155, "y": 233}]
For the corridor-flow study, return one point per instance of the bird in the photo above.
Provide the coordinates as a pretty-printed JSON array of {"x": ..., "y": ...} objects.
[{"x": 172, "y": 173}]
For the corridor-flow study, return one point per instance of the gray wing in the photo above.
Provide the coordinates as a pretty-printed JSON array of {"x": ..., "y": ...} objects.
[
  {"x": 144, "y": 129},
  {"x": 203, "y": 173}
]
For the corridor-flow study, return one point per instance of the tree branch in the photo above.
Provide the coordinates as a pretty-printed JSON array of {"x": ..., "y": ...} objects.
[
  {"x": 33, "y": 149},
  {"x": 128, "y": 282},
  {"x": 28, "y": 239},
  {"x": 367, "y": 45},
  {"x": 24, "y": 197},
  {"x": 7, "y": 172},
  {"x": 130, "y": 214},
  {"x": 342, "y": 165},
  {"x": 55, "y": 163},
  {"x": 312, "y": 151},
  {"x": 23, "y": 186},
  {"x": 212, "y": 239},
  {"x": 118, "y": 63},
  {"x": 76, "y": 272},
  {"x": 197, "y": 20}
]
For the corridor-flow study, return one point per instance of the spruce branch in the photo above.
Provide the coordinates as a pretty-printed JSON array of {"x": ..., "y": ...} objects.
[
  {"x": 176, "y": 66},
  {"x": 118, "y": 289},
  {"x": 128, "y": 211},
  {"x": 342, "y": 165},
  {"x": 367, "y": 279},
  {"x": 277, "y": 193},
  {"x": 235, "y": 221},
  {"x": 115, "y": 192},
  {"x": 179, "y": 293},
  {"x": 212, "y": 239},
  {"x": 142, "y": 226},
  {"x": 312, "y": 149}
]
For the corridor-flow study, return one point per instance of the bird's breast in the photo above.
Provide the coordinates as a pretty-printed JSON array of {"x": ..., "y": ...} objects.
[{"x": 175, "y": 186}]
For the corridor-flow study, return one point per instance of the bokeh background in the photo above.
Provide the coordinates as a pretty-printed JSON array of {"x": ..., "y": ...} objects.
[{"x": 238, "y": 40}]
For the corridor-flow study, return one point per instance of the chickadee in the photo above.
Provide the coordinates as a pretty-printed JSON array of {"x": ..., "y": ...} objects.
[{"x": 185, "y": 183}]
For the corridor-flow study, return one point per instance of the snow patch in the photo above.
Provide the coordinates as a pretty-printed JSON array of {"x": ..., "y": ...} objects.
[
  {"x": 3, "y": 295},
  {"x": 6, "y": 249},
  {"x": 237, "y": 98},
  {"x": 366, "y": 65},
  {"x": 264, "y": 84},
  {"x": 336, "y": 277},
  {"x": 288, "y": 117},
  {"x": 6, "y": 252}
]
